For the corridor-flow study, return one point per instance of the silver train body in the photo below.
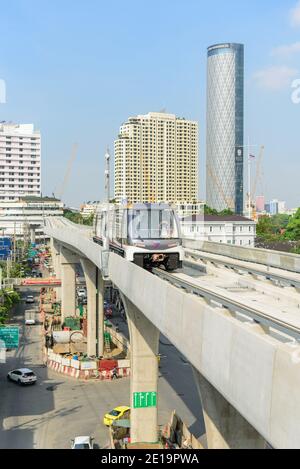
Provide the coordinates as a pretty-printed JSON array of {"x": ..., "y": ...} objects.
[{"x": 146, "y": 234}]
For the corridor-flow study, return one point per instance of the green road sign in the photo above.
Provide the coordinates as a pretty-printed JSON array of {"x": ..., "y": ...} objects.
[
  {"x": 144, "y": 399},
  {"x": 10, "y": 336}
]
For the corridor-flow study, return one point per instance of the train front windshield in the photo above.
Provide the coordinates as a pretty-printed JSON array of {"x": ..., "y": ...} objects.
[{"x": 152, "y": 224}]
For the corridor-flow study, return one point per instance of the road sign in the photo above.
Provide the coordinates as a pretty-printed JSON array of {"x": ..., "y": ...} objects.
[
  {"x": 10, "y": 336},
  {"x": 144, "y": 399}
]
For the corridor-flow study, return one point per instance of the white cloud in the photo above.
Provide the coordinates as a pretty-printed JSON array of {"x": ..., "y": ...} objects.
[
  {"x": 275, "y": 78},
  {"x": 295, "y": 15},
  {"x": 287, "y": 50}
]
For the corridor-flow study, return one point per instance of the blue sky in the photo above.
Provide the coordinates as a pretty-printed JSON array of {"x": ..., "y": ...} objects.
[{"x": 79, "y": 69}]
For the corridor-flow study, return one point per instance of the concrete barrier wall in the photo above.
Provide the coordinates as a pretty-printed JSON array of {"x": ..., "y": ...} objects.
[
  {"x": 278, "y": 259},
  {"x": 257, "y": 374}
]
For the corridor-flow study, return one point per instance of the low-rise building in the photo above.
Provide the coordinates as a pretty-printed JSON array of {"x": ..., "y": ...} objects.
[
  {"x": 188, "y": 209},
  {"x": 229, "y": 229},
  {"x": 20, "y": 218},
  {"x": 88, "y": 209}
]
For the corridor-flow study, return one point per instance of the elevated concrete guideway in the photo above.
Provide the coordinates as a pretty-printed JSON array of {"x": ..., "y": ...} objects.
[
  {"x": 249, "y": 381},
  {"x": 277, "y": 259}
]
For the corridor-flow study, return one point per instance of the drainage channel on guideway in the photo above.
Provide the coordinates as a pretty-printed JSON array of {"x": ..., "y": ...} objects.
[{"x": 230, "y": 304}]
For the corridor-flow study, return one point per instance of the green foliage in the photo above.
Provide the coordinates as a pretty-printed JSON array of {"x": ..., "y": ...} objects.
[
  {"x": 293, "y": 227},
  {"x": 211, "y": 211},
  {"x": 272, "y": 228},
  {"x": 264, "y": 228},
  {"x": 7, "y": 300},
  {"x": 280, "y": 227},
  {"x": 76, "y": 217}
]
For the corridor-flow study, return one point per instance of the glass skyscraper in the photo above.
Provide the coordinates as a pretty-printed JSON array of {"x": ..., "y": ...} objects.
[{"x": 225, "y": 127}]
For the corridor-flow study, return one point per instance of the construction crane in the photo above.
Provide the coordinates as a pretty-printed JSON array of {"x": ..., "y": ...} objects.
[
  {"x": 67, "y": 173},
  {"x": 229, "y": 202},
  {"x": 255, "y": 182}
]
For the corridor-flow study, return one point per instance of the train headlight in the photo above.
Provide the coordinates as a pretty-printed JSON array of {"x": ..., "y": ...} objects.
[{"x": 139, "y": 245}]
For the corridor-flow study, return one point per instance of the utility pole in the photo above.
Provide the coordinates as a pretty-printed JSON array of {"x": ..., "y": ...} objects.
[
  {"x": 104, "y": 259},
  {"x": 107, "y": 175},
  {"x": 14, "y": 244},
  {"x": 249, "y": 180}
]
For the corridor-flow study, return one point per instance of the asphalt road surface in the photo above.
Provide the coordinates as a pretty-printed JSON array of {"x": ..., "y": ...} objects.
[{"x": 57, "y": 408}]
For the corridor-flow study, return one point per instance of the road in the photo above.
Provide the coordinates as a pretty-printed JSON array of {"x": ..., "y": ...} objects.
[{"x": 50, "y": 413}]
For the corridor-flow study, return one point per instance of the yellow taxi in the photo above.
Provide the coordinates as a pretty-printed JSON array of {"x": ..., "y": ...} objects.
[{"x": 121, "y": 412}]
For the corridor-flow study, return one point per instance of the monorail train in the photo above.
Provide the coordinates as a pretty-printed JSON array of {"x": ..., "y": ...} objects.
[{"x": 146, "y": 234}]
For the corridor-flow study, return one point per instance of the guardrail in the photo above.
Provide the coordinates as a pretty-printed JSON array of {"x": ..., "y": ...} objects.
[
  {"x": 232, "y": 305},
  {"x": 281, "y": 260}
]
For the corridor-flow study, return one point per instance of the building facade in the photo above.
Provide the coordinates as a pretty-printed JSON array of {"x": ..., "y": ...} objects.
[
  {"x": 156, "y": 159},
  {"x": 260, "y": 203},
  {"x": 225, "y": 127},
  {"x": 88, "y": 209},
  {"x": 20, "y": 161},
  {"x": 19, "y": 218},
  {"x": 187, "y": 210},
  {"x": 231, "y": 229}
]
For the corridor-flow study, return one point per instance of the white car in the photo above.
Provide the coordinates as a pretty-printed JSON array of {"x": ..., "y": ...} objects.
[
  {"x": 82, "y": 442},
  {"x": 29, "y": 322},
  {"x": 29, "y": 299},
  {"x": 22, "y": 376},
  {"x": 81, "y": 293}
]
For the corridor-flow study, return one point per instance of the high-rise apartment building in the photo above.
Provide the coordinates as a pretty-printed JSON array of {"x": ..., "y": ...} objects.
[
  {"x": 20, "y": 161},
  {"x": 225, "y": 127},
  {"x": 156, "y": 159}
]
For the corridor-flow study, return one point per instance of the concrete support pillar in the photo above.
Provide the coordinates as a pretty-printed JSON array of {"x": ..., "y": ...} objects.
[
  {"x": 68, "y": 262},
  {"x": 225, "y": 427},
  {"x": 55, "y": 255},
  {"x": 90, "y": 274},
  {"x": 144, "y": 338},
  {"x": 100, "y": 314},
  {"x": 32, "y": 235}
]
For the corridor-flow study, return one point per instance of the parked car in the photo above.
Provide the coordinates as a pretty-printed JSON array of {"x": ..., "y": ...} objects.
[
  {"x": 116, "y": 414},
  {"x": 82, "y": 442},
  {"x": 29, "y": 299},
  {"x": 22, "y": 376}
]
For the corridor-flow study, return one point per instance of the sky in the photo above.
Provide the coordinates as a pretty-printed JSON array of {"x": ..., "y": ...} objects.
[{"x": 78, "y": 70}]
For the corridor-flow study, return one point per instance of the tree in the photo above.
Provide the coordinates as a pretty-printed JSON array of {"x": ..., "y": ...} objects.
[
  {"x": 76, "y": 217},
  {"x": 7, "y": 300},
  {"x": 226, "y": 212},
  {"x": 212, "y": 211},
  {"x": 293, "y": 227},
  {"x": 264, "y": 228}
]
